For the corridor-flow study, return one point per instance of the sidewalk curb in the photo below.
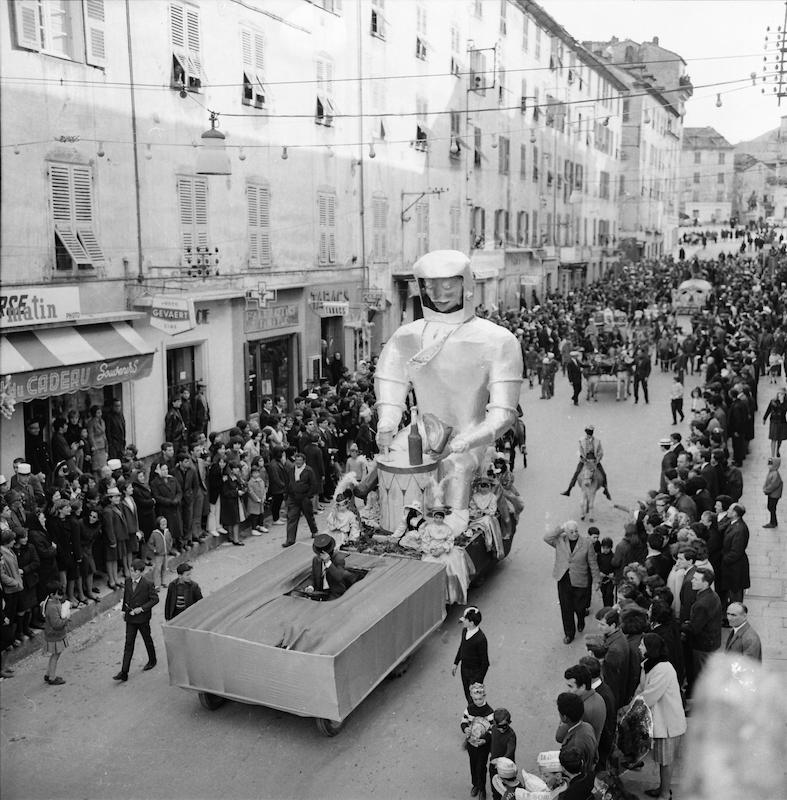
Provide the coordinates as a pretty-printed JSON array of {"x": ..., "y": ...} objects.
[{"x": 107, "y": 601}]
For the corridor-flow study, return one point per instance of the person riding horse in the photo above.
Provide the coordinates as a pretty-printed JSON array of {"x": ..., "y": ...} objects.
[{"x": 589, "y": 445}]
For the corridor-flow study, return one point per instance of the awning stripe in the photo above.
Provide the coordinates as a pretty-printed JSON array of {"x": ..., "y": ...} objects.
[
  {"x": 68, "y": 346},
  {"x": 22, "y": 352},
  {"x": 57, "y": 347}
]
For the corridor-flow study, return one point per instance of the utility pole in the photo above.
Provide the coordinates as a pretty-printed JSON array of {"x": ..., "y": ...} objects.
[{"x": 775, "y": 58}]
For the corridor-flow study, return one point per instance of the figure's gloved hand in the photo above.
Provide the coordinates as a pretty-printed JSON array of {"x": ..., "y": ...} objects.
[{"x": 459, "y": 445}]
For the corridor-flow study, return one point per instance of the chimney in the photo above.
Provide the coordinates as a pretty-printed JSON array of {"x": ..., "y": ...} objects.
[{"x": 656, "y": 40}]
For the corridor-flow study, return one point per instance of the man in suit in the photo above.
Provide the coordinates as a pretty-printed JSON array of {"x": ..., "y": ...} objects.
[
  {"x": 302, "y": 486},
  {"x": 200, "y": 490},
  {"x": 575, "y": 570},
  {"x": 743, "y": 638},
  {"x": 574, "y": 375},
  {"x": 734, "y": 578},
  {"x": 670, "y": 459},
  {"x": 703, "y": 628},
  {"x": 329, "y": 577},
  {"x": 617, "y": 657},
  {"x": 201, "y": 410},
  {"x": 139, "y": 597},
  {"x": 641, "y": 375}
]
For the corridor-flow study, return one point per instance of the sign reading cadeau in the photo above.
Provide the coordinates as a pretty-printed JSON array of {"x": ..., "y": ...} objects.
[
  {"x": 36, "y": 305},
  {"x": 65, "y": 380},
  {"x": 172, "y": 314}
]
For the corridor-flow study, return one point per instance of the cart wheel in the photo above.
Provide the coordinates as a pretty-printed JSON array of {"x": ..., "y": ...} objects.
[
  {"x": 327, "y": 727},
  {"x": 401, "y": 667},
  {"x": 211, "y": 701}
]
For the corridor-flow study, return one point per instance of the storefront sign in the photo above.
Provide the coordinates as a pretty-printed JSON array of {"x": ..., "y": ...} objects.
[
  {"x": 320, "y": 295},
  {"x": 283, "y": 315},
  {"x": 334, "y": 309},
  {"x": 27, "y": 306},
  {"x": 65, "y": 380},
  {"x": 172, "y": 314}
]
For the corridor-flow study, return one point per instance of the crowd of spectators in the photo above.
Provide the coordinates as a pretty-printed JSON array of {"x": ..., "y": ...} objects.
[{"x": 80, "y": 507}]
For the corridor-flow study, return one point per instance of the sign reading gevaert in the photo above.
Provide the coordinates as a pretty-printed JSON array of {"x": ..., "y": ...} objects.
[
  {"x": 172, "y": 314},
  {"x": 36, "y": 305}
]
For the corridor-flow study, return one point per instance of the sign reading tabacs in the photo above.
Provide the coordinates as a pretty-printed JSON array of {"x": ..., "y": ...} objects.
[{"x": 172, "y": 314}]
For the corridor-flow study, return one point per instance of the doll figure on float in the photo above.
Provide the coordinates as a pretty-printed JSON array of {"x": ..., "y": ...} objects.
[{"x": 466, "y": 373}]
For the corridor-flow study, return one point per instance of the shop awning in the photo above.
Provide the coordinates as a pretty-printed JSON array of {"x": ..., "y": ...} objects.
[{"x": 53, "y": 361}]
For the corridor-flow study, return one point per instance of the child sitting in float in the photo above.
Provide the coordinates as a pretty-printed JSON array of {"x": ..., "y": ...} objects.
[
  {"x": 342, "y": 520},
  {"x": 483, "y": 516},
  {"x": 437, "y": 544}
]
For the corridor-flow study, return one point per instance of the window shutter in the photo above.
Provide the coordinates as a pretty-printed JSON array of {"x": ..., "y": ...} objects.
[
  {"x": 259, "y": 54},
  {"x": 28, "y": 26},
  {"x": 254, "y": 224},
  {"x": 193, "y": 43},
  {"x": 72, "y": 212},
  {"x": 322, "y": 252},
  {"x": 331, "y": 228},
  {"x": 95, "y": 44},
  {"x": 82, "y": 179},
  {"x": 380, "y": 228},
  {"x": 177, "y": 27},
  {"x": 245, "y": 47},
  {"x": 455, "y": 220},
  {"x": 264, "y": 194},
  {"x": 186, "y": 209},
  {"x": 201, "y": 212}
]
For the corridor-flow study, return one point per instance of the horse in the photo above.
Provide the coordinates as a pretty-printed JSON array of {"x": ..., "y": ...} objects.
[{"x": 589, "y": 482}]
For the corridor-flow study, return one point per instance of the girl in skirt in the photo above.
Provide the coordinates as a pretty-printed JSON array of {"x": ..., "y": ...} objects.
[{"x": 56, "y": 619}]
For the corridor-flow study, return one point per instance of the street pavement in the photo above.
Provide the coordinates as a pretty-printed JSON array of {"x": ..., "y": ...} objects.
[{"x": 95, "y": 738}]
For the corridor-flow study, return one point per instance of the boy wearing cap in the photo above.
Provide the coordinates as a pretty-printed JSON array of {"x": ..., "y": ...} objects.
[
  {"x": 502, "y": 749},
  {"x": 506, "y": 782},
  {"x": 182, "y": 592}
]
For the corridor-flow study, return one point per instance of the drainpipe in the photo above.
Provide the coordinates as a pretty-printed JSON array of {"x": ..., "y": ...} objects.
[
  {"x": 134, "y": 142},
  {"x": 362, "y": 199}
]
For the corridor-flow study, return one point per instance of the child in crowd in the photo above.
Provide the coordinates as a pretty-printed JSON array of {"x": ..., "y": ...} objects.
[
  {"x": 604, "y": 559},
  {"x": 476, "y": 725},
  {"x": 255, "y": 500},
  {"x": 159, "y": 545},
  {"x": 56, "y": 616},
  {"x": 502, "y": 743}
]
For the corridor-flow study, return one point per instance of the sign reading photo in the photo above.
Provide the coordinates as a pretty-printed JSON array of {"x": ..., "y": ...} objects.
[{"x": 27, "y": 306}]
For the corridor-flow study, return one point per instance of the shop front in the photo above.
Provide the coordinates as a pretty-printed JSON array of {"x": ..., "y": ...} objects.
[
  {"x": 50, "y": 372},
  {"x": 487, "y": 266},
  {"x": 272, "y": 334},
  {"x": 332, "y": 311}
]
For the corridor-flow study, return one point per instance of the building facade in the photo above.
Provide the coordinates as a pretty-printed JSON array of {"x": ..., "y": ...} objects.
[
  {"x": 707, "y": 176},
  {"x": 351, "y": 138}
]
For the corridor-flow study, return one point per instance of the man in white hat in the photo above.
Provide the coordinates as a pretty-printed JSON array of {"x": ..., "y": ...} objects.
[{"x": 28, "y": 485}]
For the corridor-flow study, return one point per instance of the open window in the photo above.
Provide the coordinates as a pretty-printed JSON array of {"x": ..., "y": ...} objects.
[
  {"x": 77, "y": 249},
  {"x": 325, "y": 109},
  {"x": 185, "y": 40},
  {"x": 253, "y": 53}
]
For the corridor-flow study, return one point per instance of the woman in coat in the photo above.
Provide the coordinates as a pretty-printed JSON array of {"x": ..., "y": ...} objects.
[
  {"x": 145, "y": 503},
  {"x": 168, "y": 495},
  {"x": 97, "y": 438},
  {"x": 277, "y": 482},
  {"x": 65, "y": 534},
  {"x": 114, "y": 526},
  {"x": 232, "y": 511},
  {"x": 27, "y": 558},
  {"x": 777, "y": 411},
  {"x": 131, "y": 517},
  {"x": 661, "y": 693},
  {"x": 218, "y": 460}
]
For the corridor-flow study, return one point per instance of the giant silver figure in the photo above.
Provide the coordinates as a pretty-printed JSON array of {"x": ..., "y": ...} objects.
[{"x": 466, "y": 371}]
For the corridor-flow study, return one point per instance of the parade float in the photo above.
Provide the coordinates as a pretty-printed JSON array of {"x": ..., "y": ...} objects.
[{"x": 436, "y": 511}]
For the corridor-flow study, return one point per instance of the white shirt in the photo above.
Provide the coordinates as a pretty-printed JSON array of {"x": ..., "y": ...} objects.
[
  {"x": 299, "y": 472},
  {"x": 471, "y": 632}
]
